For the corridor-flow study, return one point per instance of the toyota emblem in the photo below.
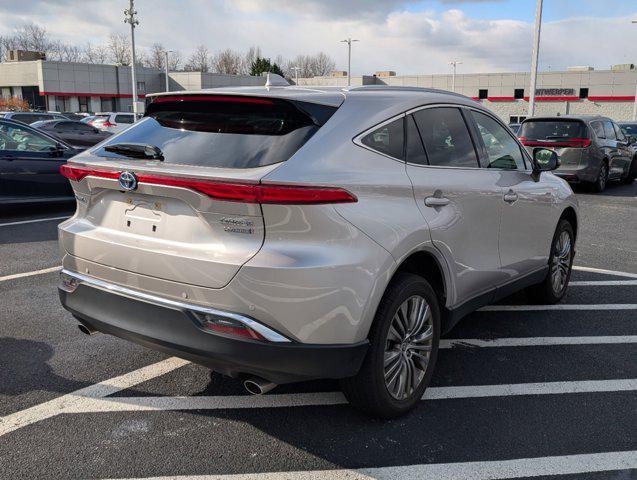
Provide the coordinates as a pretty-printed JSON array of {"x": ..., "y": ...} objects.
[{"x": 128, "y": 181}]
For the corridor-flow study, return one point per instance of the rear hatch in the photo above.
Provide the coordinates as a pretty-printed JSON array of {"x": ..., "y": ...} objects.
[
  {"x": 177, "y": 196},
  {"x": 567, "y": 137}
]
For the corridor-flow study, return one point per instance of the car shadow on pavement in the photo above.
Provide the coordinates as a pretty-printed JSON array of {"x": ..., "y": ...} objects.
[
  {"x": 613, "y": 189},
  {"x": 25, "y": 369}
]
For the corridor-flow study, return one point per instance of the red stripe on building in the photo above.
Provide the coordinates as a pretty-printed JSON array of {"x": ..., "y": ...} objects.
[
  {"x": 501, "y": 99},
  {"x": 610, "y": 98},
  {"x": 555, "y": 99},
  {"x": 77, "y": 94}
]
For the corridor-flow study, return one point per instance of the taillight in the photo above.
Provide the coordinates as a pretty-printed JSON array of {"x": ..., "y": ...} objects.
[
  {"x": 571, "y": 142},
  {"x": 109, "y": 124},
  {"x": 77, "y": 174},
  {"x": 229, "y": 191}
]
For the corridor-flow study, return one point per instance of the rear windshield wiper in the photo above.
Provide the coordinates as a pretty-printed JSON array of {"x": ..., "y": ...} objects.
[{"x": 136, "y": 150}]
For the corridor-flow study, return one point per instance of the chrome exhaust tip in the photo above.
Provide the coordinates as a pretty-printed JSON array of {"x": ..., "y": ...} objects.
[
  {"x": 87, "y": 329},
  {"x": 258, "y": 386}
]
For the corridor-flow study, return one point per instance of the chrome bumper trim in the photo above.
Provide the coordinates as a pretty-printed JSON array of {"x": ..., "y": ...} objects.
[{"x": 267, "y": 333}]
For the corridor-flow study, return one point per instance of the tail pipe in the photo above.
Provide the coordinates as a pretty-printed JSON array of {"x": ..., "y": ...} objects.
[
  {"x": 258, "y": 386},
  {"x": 87, "y": 329}
]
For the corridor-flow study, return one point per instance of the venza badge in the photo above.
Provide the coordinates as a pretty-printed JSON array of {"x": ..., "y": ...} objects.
[{"x": 128, "y": 181}]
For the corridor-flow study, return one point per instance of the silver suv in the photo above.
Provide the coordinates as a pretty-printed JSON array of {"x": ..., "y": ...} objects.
[{"x": 284, "y": 234}]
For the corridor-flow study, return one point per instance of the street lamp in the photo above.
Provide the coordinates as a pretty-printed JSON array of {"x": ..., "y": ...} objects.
[
  {"x": 296, "y": 74},
  {"x": 635, "y": 103},
  {"x": 349, "y": 59},
  {"x": 534, "y": 57},
  {"x": 166, "y": 52},
  {"x": 455, "y": 63},
  {"x": 131, "y": 18}
]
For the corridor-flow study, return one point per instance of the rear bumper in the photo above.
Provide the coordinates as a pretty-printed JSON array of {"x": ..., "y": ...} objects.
[
  {"x": 576, "y": 174},
  {"x": 172, "y": 328}
]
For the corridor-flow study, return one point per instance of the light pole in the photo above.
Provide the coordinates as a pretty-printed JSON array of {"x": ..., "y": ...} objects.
[
  {"x": 166, "y": 52},
  {"x": 635, "y": 103},
  {"x": 534, "y": 56},
  {"x": 296, "y": 74},
  {"x": 131, "y": 18},
  {"x": 455, "y": 63},
  {"x": 349, "y": 59}
]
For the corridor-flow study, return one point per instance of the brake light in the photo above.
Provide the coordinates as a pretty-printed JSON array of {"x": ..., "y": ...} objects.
[
  {"x": 77, "y": 173},
  {"x": 213, "y": 98},
  {"x": 229, "y": 191},
  {"x": 571, "y": 142},
  {"x": 109, "y": 124}
]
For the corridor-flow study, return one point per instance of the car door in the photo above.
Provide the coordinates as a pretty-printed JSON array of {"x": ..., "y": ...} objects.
[
  {"x": 625, "y": 149},
  {"x": 526, "y": 229},
  {"x": 460, "y": 202},
  {"x": 614, "y": 152},
  {"x": 30, "y": 163}
]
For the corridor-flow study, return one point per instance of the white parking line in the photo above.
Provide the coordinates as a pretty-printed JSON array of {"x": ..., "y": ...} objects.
[
  {"x": 602, "y": 283},
  {"x": 494, "y": 469},
  {"x": 559, "y": 306},
  {"x": 536, "y": 341},
  {"x": 56, "y": 406},
  {"x": 607, "y": 272},
  {"x": 36, "y": 220},
  {"x": 135, "y": 404},
  {"x": 29, "y": 274}
]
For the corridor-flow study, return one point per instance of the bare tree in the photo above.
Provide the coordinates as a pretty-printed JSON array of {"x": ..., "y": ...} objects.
[
  {"x": 251, "y": 55},
  {"x": 199, "y": 61},
  {"x": 228, "y": 62},
  {"x": 31, "y": 36},
  {"x": 322, "y": 64},
  {"x": 156, "y": 56},
  {"x": 119, "y": 50},
  {"x": 174, "y": 60},
  {"x": 95, "y": 54},
  {"x": 310, "y": 65}
]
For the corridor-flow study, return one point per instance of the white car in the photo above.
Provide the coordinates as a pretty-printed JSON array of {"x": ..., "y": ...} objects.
[{"x": 113, "y": 122}]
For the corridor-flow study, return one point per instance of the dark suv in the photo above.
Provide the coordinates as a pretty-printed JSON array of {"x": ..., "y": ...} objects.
[{"x": 592, "y": 149}]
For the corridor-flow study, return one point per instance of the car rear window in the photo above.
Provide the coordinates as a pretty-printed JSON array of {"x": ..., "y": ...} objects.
[
  {"x": 31, "y": 117},
  {"x": 225, "y": 131},
  {"x": 552, "y": 129}
]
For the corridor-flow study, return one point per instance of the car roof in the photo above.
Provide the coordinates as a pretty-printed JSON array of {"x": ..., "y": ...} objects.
[{"x": 332, "y": 96}]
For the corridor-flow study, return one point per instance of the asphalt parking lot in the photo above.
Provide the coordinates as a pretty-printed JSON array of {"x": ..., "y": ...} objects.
[{"x": 520, "y": 391}]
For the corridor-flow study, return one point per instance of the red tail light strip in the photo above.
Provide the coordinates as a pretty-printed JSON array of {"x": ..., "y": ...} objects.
[
  {"x": 213, "y": 98},
  {"x": 231, "y": 191},
  {"x": 573, "y": 143}
]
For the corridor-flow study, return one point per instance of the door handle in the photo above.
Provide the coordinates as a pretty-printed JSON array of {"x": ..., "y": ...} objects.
[
  {"x": 510, "y": 197},
  {"x": 436, "y": 201}
]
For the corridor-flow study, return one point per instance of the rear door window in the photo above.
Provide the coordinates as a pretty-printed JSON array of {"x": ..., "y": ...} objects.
[
  {"x": 598, "y": 128},
  {"x": 388, "y": 139},
  {"x": 446, "y": 137},
  {"x": 609, "y": 130},
  {"x": 224, "y": 131}
]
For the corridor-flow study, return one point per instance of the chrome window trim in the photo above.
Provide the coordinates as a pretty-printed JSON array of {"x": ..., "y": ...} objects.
[{"x": 267, "y": 333}]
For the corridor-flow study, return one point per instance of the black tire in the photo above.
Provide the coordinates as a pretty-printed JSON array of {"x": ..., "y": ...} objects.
[
  {"x": 544, "y": 292},
  {"x": 599, "y": 185},
  {"x": 367, "y": 390}
]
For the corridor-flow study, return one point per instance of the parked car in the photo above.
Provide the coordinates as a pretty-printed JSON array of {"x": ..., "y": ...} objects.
[
  {"x": 291, "y": 234},
  {"x": 630, "y": 131},
  {"x": 77, "y": 134},
  {"x": 113, "y": 122},
  {"x": 592, "y": 149},
  {"x": 515, "y": 127},
  {"x": 31, "y": 117},
  {"x": 30, "y": 163},
  {"x": 72, "y": 116}
]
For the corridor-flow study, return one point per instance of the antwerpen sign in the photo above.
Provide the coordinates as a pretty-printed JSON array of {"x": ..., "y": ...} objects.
[{"x": 555, "y": 92}]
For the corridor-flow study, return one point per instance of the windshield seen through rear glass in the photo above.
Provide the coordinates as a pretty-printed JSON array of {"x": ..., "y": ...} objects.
[
  {"x": 224, "y": 131},
  {"x": 552, "y": 129}
]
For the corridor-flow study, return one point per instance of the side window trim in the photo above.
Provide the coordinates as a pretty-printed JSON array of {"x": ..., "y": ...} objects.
[
  {"x": 476, "y": 138},
  {"x": 408, "y": 117},
  {"x": 525, "y": 156}
]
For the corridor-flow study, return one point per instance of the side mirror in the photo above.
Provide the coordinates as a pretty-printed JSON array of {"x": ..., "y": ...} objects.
[
  {"x": 96, "y": 130},
  {"x": 58, "y": 150},
  {"x": 544, "y": 160}
]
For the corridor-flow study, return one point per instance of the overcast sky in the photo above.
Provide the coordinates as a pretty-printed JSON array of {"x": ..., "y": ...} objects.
[{"x": 402, "y": 35}]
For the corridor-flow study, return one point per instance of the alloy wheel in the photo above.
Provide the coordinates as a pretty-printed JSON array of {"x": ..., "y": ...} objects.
[
  {"x": 408, "y": 347},
  {"x": 561, "y": 263}
]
